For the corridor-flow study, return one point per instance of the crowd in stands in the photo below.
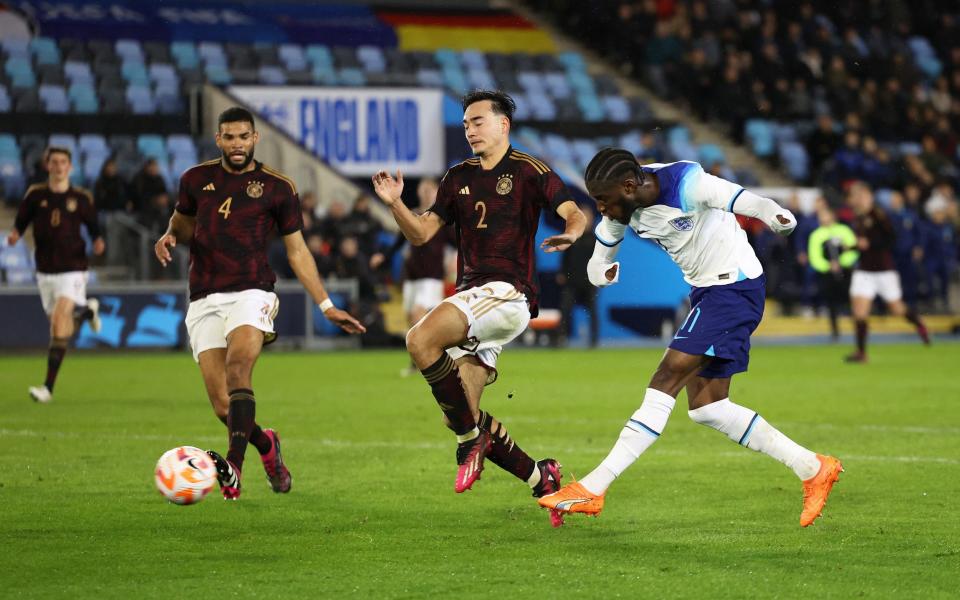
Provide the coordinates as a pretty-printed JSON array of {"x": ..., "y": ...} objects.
[{"x": 834, "y": 91}]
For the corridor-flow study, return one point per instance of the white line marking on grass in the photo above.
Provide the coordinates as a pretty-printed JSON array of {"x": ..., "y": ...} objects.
[{"x": 402, "y": 445}]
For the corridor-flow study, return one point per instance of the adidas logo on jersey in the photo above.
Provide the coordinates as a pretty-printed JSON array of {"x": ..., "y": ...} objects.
[
  {"x": 464, "y": 191},
  {"x": 209, "y": 188}
]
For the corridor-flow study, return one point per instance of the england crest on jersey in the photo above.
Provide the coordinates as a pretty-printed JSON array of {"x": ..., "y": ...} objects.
[{"x": 682, "y": 223}]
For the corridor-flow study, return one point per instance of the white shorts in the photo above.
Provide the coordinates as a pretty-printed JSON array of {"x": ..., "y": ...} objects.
[
  {"x": 211, "y": 319},
  {"x": 870, "y": 284},
  {"x": 425, "y": 293},
  {"x": 71, "y": 285},
  {"x": 496, "y": 313}
]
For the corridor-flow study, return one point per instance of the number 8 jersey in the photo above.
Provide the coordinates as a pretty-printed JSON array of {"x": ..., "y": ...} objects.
[
  {"x": 235, "y": 214},
  {"x": 496, "y": 213}
]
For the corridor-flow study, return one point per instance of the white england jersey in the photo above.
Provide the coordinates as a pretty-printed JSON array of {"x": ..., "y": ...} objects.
[{"x": 693, "y": 222}]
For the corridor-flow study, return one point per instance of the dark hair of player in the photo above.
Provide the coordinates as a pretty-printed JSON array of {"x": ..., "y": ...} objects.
[
  {"x": 236, "y": 114},
  {"x": 57, "y": 150},
  {"x": 610, "y": 165},
  {"x": 500, "y": 102}
]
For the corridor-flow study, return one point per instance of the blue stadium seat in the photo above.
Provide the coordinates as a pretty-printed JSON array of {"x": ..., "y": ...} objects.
[
  {"x": 446, "y": 56},
  {"x": 572, "y": 61},
  {"x": 760, "y": 135},
  {"x": 351, "y": 77},
  {"x": 454, "y": 79},
  {"x": 480, "y": 79},
  {"x": 293, "y": 56},
  {"x": 91, "y": 167},
  {"x": 795, "y": 160},
  {"x": 185, "y": 54},
  {"x": 320, "y": 56},
  {"x": 218, "y": 74},
  {"x": 523, "y": 111},
  {"x": 15, "y": 47},
  {"x": 272, "y": 76},
  {"x": 558, "y": 85},
  {"x": 616, "y": 108},
  {"x": 45, "y": 50},
  {"x": 542, "y": 106},
  {"x": 532, "y": 81},
  {"x": 152, "y": 145},
  {"x": 583, "y": 152},
  {"x": 180, "y": 144},
  {"x": 93, "y": 143},
  {"x": 5, "y": 104},
  {"x": 632, "y": 141},
  {"x": 581, "y": 83},
  {"x": 77, "y": 70},
  {"x": 372, "y": 59},
  {"x": 710, "y": 154},
  {"x": 590, "y": 107},
  {"x": 64, "y": 140},
  {"x": 54, "y": 98},
  {"x": 430, "y": 78},
  {"x": 129, "y": 50},
  {"x": 558, "y": 148},
  {"x": 474, "y": 59},
  {"x": 163, "y": 72},
  {"x": 134, "y": 73},
  {"x": 16, "y": 262},
  {"x": 212, "y": 53}
]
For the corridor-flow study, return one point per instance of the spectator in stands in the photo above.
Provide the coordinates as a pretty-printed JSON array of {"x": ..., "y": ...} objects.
[
  {"x": 351, "y": 263},
  {"x": 941, "y": 250},
  {"x": 110, "y": 191},
  {"x": 848, "y": 159},
  {"x": 308, "y": 210},
  {"x": 823, "y": 142},
  {"x": 147, "y": 184},
  {"x": 832, "y": 253},
  {"x": 362, "y": 225},
  {"x": 321, "y": 253},
  {"x": 908, "y": 251},
  {"x": 575, "y": 287},
  {"x": 39, "y": 172},
  {"x": 331, "y": 227}
]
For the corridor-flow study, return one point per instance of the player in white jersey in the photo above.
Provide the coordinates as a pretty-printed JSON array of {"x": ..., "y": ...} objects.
[{"x": 691, "y": 215}]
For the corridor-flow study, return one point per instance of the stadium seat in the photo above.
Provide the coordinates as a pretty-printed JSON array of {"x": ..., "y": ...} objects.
[
  {"x": 212, "y": 53},
  {"x": 54, "y": 99},
  {"x": 558, "y": 85},
  {"x": 372, "y": 59},
  {"x": 616, "y": 108},
  {"x": 152, "y": 145},
  {"x": 430, "y": 78},
  {"x": 272, "y": 76},
  {"x": 473, "y": 59},
  {"x": 583, "y": 151},
  {"x": 542, "y": 107},
  {"x": 351, "y": 77},
  {"x": 5, "y": 103},
  {"x": 760, "y": 135},
  {"x": 479, "y": 78},
  {"x": 558, "y": 148},
  {"x": 129, "y": 50},
  {"x": 293, "y": 57},
  {"x": 590, "y": 107},
  {"x": 64, "y": 140},
  {"x": 795, "y": 160},
  {"x": 78, "y": 72},
  {"x": 320, "y": 56},
  {"x": 710, "y": 154},
  {"x": 218, "y": 74},
  {"x": 185, "y": 55}
]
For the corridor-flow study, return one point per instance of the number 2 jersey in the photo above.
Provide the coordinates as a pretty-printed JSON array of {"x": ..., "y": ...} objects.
[
  {"x": 56, "y": 218},
  {"x": 235, "y": 214},
  {"x": 496, "y": 214}
]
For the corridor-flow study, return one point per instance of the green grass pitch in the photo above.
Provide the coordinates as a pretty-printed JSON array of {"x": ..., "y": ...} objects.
[{"x": 373, "y": 514}]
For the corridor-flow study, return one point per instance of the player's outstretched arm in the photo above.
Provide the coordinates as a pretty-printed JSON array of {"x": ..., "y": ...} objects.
[
  {"x": 305, "y": 268},
  {"x": 417, "y": 229},
  {"x": 180, "y": 229},
  {"x": 601, "y": 268},
  {"x": 777, "y": 218},
  {"x": 576, "y": 222}
]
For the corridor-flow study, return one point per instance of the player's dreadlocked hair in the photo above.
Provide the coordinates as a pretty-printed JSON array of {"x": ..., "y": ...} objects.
[
  {"x": 609, "y": 165},
  {"x": 500, "y": 102}
]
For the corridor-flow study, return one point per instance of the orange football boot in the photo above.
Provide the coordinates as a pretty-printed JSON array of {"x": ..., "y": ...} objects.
[
  {"x": 817, "y": 488},
  {"x": 573, "y": 498}
]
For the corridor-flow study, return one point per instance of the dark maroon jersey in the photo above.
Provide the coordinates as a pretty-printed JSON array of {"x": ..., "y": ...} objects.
[
  {"x": 56, "y": 219},
  {"x": 426, "y": 260},
  {"x": 496, "y": 214},
  {"x": 235, "y": 213},
  {"x": 877, "y": 228}
]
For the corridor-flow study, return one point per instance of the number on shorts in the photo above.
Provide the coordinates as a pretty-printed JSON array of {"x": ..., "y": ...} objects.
[
  {"x": 55, "y": 218},
  {"x": 225, "y": 208},
  {"x": 483, "y": 213}
]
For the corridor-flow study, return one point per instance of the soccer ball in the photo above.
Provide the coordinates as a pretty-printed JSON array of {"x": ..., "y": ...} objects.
[{"x": 185, "y": 475}]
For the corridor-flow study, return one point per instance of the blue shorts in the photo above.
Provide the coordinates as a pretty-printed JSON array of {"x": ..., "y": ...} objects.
[{"x": 720, "y": 322}]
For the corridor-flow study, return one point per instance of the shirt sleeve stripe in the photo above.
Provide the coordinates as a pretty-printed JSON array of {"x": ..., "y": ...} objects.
[
  {"x": 539, "y": 169},
  {"x": 734, "y": 199},
  {"x": 281, "y": 176},
  {"x": 542, "y": 164},
  {"x": 605, "y": 242}
]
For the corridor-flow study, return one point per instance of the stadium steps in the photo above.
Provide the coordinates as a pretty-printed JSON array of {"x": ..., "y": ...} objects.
[{"x": 738, "y": 157}]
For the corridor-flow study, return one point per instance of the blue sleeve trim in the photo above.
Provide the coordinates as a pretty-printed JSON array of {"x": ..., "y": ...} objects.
[
  {"x": 733, "y": 200},
  {"x": 605, "y": 242}
]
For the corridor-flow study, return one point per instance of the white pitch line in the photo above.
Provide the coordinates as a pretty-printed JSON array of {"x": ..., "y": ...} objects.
[{"x": 401, "y": 445}]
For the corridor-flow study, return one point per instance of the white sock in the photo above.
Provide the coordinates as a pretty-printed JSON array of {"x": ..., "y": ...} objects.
[
  {"x": 534, "y": 478},
  {"x": 466, "y": 437},
  {"x": 640, "y": 432},
  {"x": 749, "y": 429}
]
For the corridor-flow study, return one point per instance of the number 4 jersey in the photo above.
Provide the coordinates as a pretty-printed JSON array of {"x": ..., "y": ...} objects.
[
  {"x": 235, "y": 214},
  {"x": 496, "y": 213}
]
